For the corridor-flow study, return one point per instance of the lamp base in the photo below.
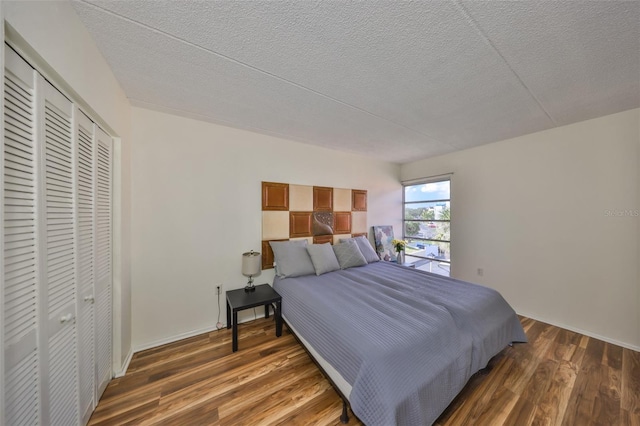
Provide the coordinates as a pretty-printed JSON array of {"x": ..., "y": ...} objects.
[{"x": 249, "y": 287}]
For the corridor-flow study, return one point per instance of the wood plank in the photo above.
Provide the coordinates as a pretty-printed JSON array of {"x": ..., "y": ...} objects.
[
  {"x": 220, "y": 368},
  {"x": 203, "y": 413},
  {"x": 323, "y": 410},
  {"x": 553, "y": 404},
  {"x": 522, "y": 413},
  {"x": 559, "y": 377},
  {"x": 470, "y": 389},
  {"x": 606, "y": 407},
  {"x": 583, "y": 395},
  {"x": 565, "y": 345},
  {"x": 630, "y": 388},
  {"x": 534, "y": 390},
  {"x": 275, "y": 405},
  {"x": 538, "y": 385},
  {"x": 535, "y": 330},
  {"x": 497, "y": 410},
  {"x": 472, "y": 409},
  {"x": 226, "y": 391},
  {"x": 140, "y": 383},
  {"x": 526, "y": 361},
  {"x": 613, "y": 356},
  {"x": 526, "y": 323},
  {"x": 127, "y": 414}
]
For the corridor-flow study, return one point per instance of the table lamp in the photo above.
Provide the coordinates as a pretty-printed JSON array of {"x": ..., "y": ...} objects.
[{"x": 251, "y": 263}]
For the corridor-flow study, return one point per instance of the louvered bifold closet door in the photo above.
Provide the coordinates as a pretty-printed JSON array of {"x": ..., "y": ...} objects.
[
  {"x": 103, "y": 259},
  {"x": 85, "y": 189},
  {"x": 59, "y": 270},
  {"x": 20, "y": 310}
]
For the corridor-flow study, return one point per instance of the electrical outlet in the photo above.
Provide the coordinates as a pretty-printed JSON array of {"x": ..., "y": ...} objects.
[
  {"x": 219, "y": 289},
  {"x": 480, "y": 272}
]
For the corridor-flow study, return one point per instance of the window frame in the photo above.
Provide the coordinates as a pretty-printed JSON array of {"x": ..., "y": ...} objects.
[{"x": 424, "y": 181}]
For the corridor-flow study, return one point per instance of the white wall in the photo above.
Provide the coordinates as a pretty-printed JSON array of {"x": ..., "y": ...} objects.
[
  {"x": 532, "y": 211},
  {"x": 197, "y": 208},
  {"x": 54, "y": 31}
]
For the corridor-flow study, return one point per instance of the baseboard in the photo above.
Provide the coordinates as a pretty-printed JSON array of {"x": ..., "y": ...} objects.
[
  {"x": 187, "y": 334},
  {"x": 585, "y": 332},
  {"x": 125, "y": 365}
]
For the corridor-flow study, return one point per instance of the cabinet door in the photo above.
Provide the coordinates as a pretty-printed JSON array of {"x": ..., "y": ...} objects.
[
  {"x": 21, "y": 404},
  {"x": 85, "y": 227},
  {"x": 58, "y": 272},
  {"x": 103, "y": 263}
]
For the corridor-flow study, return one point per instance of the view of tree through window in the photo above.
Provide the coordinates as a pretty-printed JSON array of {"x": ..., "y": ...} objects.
[{"x": 427, "y": 220}]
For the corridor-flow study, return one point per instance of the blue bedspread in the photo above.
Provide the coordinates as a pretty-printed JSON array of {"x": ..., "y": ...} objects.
[{"x": 407, "y": 341}]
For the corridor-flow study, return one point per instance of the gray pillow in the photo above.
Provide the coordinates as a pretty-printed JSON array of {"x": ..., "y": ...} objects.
[
  {"x": 349, "y": 255},
  {"x": 365, "y": 248},
  {"x": 292, "y": 258},
  {"x": 323, "y": 258}
]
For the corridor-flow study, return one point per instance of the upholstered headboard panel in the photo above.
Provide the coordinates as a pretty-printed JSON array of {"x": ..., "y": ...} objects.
[{"x": 316, "y": 213}]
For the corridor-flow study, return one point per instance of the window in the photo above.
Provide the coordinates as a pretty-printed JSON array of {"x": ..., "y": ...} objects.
[{"x": 427, "y": 222}]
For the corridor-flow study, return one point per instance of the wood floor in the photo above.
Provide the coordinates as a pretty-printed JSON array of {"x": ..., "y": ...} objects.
[{"x": 558, "y": 378}]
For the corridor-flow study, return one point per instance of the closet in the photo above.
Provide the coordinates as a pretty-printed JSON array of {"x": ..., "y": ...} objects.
[{"x": 57, "y": 253}]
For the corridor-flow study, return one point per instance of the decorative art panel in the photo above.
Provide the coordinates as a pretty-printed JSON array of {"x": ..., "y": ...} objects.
[
  {"x": 309, "y": 240},
  {"x": 275, "y": 196},
  {"x": 322, "y": 223},
  {"x": 300, "y": 198},
  {"x": 300, "y": 224},
  {"x": 322, "y": 239},
  {"x": 341, "y": 200},
  {"x": 359, "y": 201},
  {"x": 342, "y": 222},
  {"x": 322, "y": 199},
  {"x": 318, "y": 214},
  {"x": 359, "y": 223},
  {"x": 275, "y": 225}
]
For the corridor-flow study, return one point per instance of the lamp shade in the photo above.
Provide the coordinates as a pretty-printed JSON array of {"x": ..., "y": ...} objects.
[{"x": 251, "y": 263}]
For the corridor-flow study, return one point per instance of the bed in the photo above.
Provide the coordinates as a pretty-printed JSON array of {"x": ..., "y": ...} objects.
[{"x": 398, "y": 343}]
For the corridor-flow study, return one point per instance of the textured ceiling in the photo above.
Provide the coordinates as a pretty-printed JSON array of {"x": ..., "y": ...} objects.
[{"x": 398, "y": 81}]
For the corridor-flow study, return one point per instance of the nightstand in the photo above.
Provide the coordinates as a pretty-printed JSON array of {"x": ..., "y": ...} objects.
[{"x": 238, "y": 300}]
